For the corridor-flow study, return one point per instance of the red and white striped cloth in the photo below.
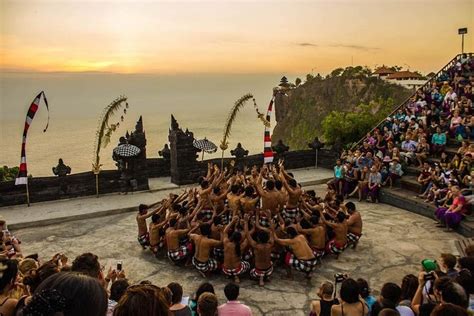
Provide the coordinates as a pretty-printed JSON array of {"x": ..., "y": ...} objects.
[
  {"x": 267, "y": 147},
  {"x": 22, "y": 177}
]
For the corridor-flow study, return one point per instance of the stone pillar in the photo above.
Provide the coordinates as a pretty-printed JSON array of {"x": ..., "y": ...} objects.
[
  {"x": 135, "y": 174},
  {"x": 185, "y": 168}
]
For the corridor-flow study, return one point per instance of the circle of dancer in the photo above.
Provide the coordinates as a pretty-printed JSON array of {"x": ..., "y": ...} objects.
[{"x": 248, "y": 222}]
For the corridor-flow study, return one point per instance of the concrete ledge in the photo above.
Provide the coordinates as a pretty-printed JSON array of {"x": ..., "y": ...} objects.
[
  {"x": 73, "y": 209},
  {"x": 314, "y": 182},
  {"x": 405, "y": 200},
  {"x": 63, "y": 219}
]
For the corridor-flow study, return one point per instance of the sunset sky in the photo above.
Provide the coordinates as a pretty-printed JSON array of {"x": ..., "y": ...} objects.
[{"x": 172, "y": 37}]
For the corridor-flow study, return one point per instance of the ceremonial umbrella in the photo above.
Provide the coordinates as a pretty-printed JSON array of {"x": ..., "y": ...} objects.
[
  {"x": 205, "y": 145},
  {"x": 126, "y": 150}
]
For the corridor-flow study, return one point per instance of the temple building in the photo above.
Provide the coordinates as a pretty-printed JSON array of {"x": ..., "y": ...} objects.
[{"x": 405, "y": 78}]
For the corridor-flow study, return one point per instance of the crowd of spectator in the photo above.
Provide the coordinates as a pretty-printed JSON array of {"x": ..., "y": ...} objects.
[
  {"x": 438, "y": 115},
  {"x": 441, "y": 288},
  {"x": 30, "y": 286}
]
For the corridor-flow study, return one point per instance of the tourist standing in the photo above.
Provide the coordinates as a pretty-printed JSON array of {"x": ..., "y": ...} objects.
[
  {"x": 233, "y": 307},
  {"x": 322, "y": 307},
  {"x": 350, "y": 304},
  {"x": 178, "y": 308},
  {"x": 207, "y": 304}
]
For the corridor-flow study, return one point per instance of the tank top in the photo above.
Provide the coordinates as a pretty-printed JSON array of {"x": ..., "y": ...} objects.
[
  {"x": 326, "y": 307},
  {"x": 363, "y": 308}
]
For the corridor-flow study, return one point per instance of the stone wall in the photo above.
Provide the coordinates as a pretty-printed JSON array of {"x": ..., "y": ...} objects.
[
  {"x": 186, "y": 172},
  {"x": 186, "y": 169},
  {"x": 293, "y": 160},
  {"x": 79, "y": 184},
  {"x": 158, "y": 167}
]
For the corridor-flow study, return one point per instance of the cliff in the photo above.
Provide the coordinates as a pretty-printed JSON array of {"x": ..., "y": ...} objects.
[{"x": 300, "y": 111}]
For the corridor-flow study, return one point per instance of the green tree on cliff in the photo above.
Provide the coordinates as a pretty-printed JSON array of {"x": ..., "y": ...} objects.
[
  {"x": 297, "y": 82},
  {"x": 349, "y": 127}
]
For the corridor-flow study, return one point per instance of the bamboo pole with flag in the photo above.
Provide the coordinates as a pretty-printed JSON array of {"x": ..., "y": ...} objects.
[
  {"x": 267, "y": 138},
  {"x": 22, "y": 178}
]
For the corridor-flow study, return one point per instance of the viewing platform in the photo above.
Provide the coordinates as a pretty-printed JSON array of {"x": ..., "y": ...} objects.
[{"x": 59, "y": 211}]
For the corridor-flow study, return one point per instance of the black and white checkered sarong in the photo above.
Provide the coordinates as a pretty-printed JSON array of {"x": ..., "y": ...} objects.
[
  {"x": 306, "y": 266},
  {"x": 208, "y": 266}
]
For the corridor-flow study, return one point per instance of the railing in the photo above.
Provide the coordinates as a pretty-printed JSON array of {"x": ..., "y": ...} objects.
[{"x": 427, "y": 83}]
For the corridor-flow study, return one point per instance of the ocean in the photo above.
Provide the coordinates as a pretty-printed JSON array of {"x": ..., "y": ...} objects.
[{"x": 198, "y": 102}]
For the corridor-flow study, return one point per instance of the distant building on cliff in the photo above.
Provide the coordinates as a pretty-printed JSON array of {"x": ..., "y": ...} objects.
[
  {"x": 405, "y": 78},
  {"x": 383, "y": 72}
]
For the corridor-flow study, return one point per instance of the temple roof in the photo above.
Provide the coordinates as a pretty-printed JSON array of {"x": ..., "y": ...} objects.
[
  {"x": 383, "y": 71},
  {"x": 404, "y": 75}
]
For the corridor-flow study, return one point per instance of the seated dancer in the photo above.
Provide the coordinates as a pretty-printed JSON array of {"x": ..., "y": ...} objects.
[
  {"x": 143, "y": 214},
  {"x": 354, "y": 225},
  {"x": 300, "y": 256},
  {"x": 218, "y": 197},
  {"x": 233, "y": 247},
  {"x": 216, "y": 229},
  {"x": 204, "y": 192},
  {"x": 233, "y": 199},
  {"x": 203, "y": 245},
  {"x": 176, "y": 252},
  {"x": 262, "y": 250},
  {"x": 316, "y": 233},
  {"x": 283, "y": 195},
  {"x": 337, "y": 245},
  {"x": 291, "y": 210},
  {"x": 270, "y": 196},
  {"x": 249, "y": 201},
  {"x": 156, "y": 232}
]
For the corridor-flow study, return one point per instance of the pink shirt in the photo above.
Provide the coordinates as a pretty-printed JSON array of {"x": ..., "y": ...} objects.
[
  {"x": 234, "y": 308},
  {"x": 460, "y": 200}
]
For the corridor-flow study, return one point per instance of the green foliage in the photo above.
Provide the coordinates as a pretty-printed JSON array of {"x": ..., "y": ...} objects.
[
  {"x": 349, "y": 127},
  {"x": 351, "y": 90},
  {"x": 297, "y": 82},
  {"x": 396, "y": 68},
  {"x": 337, "y": 72},
  {"x": 8, "y": 174}
]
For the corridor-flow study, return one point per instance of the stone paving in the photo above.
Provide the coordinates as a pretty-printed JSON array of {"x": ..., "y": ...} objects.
[{"x": 393, "y": 244}]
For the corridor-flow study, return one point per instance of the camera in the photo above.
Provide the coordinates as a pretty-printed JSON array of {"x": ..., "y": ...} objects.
[
  {"x": 339, "y": 277},
  {"x": 429, "y": 265},
  {"x": 429, "y": 276},
  {"x": 119, "y": 265}
]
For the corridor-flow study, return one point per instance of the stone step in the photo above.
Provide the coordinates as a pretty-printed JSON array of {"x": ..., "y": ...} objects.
[
  {"x": 406, "y": 199},
  {"x": 410, "y": 183},
  {"x": 411, "y": 171}
]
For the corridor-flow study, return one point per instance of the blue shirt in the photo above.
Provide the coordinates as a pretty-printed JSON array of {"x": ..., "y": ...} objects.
[
  {"x": 338, "y": 171},
  {"x": 438, "y": 139},
  {"x": 370, "y": 300}
]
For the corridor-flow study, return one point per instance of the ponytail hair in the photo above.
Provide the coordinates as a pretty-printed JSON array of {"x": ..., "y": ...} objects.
[
  {"x": 36, "y": 276},
  {"x": 8, "y": 272}
]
